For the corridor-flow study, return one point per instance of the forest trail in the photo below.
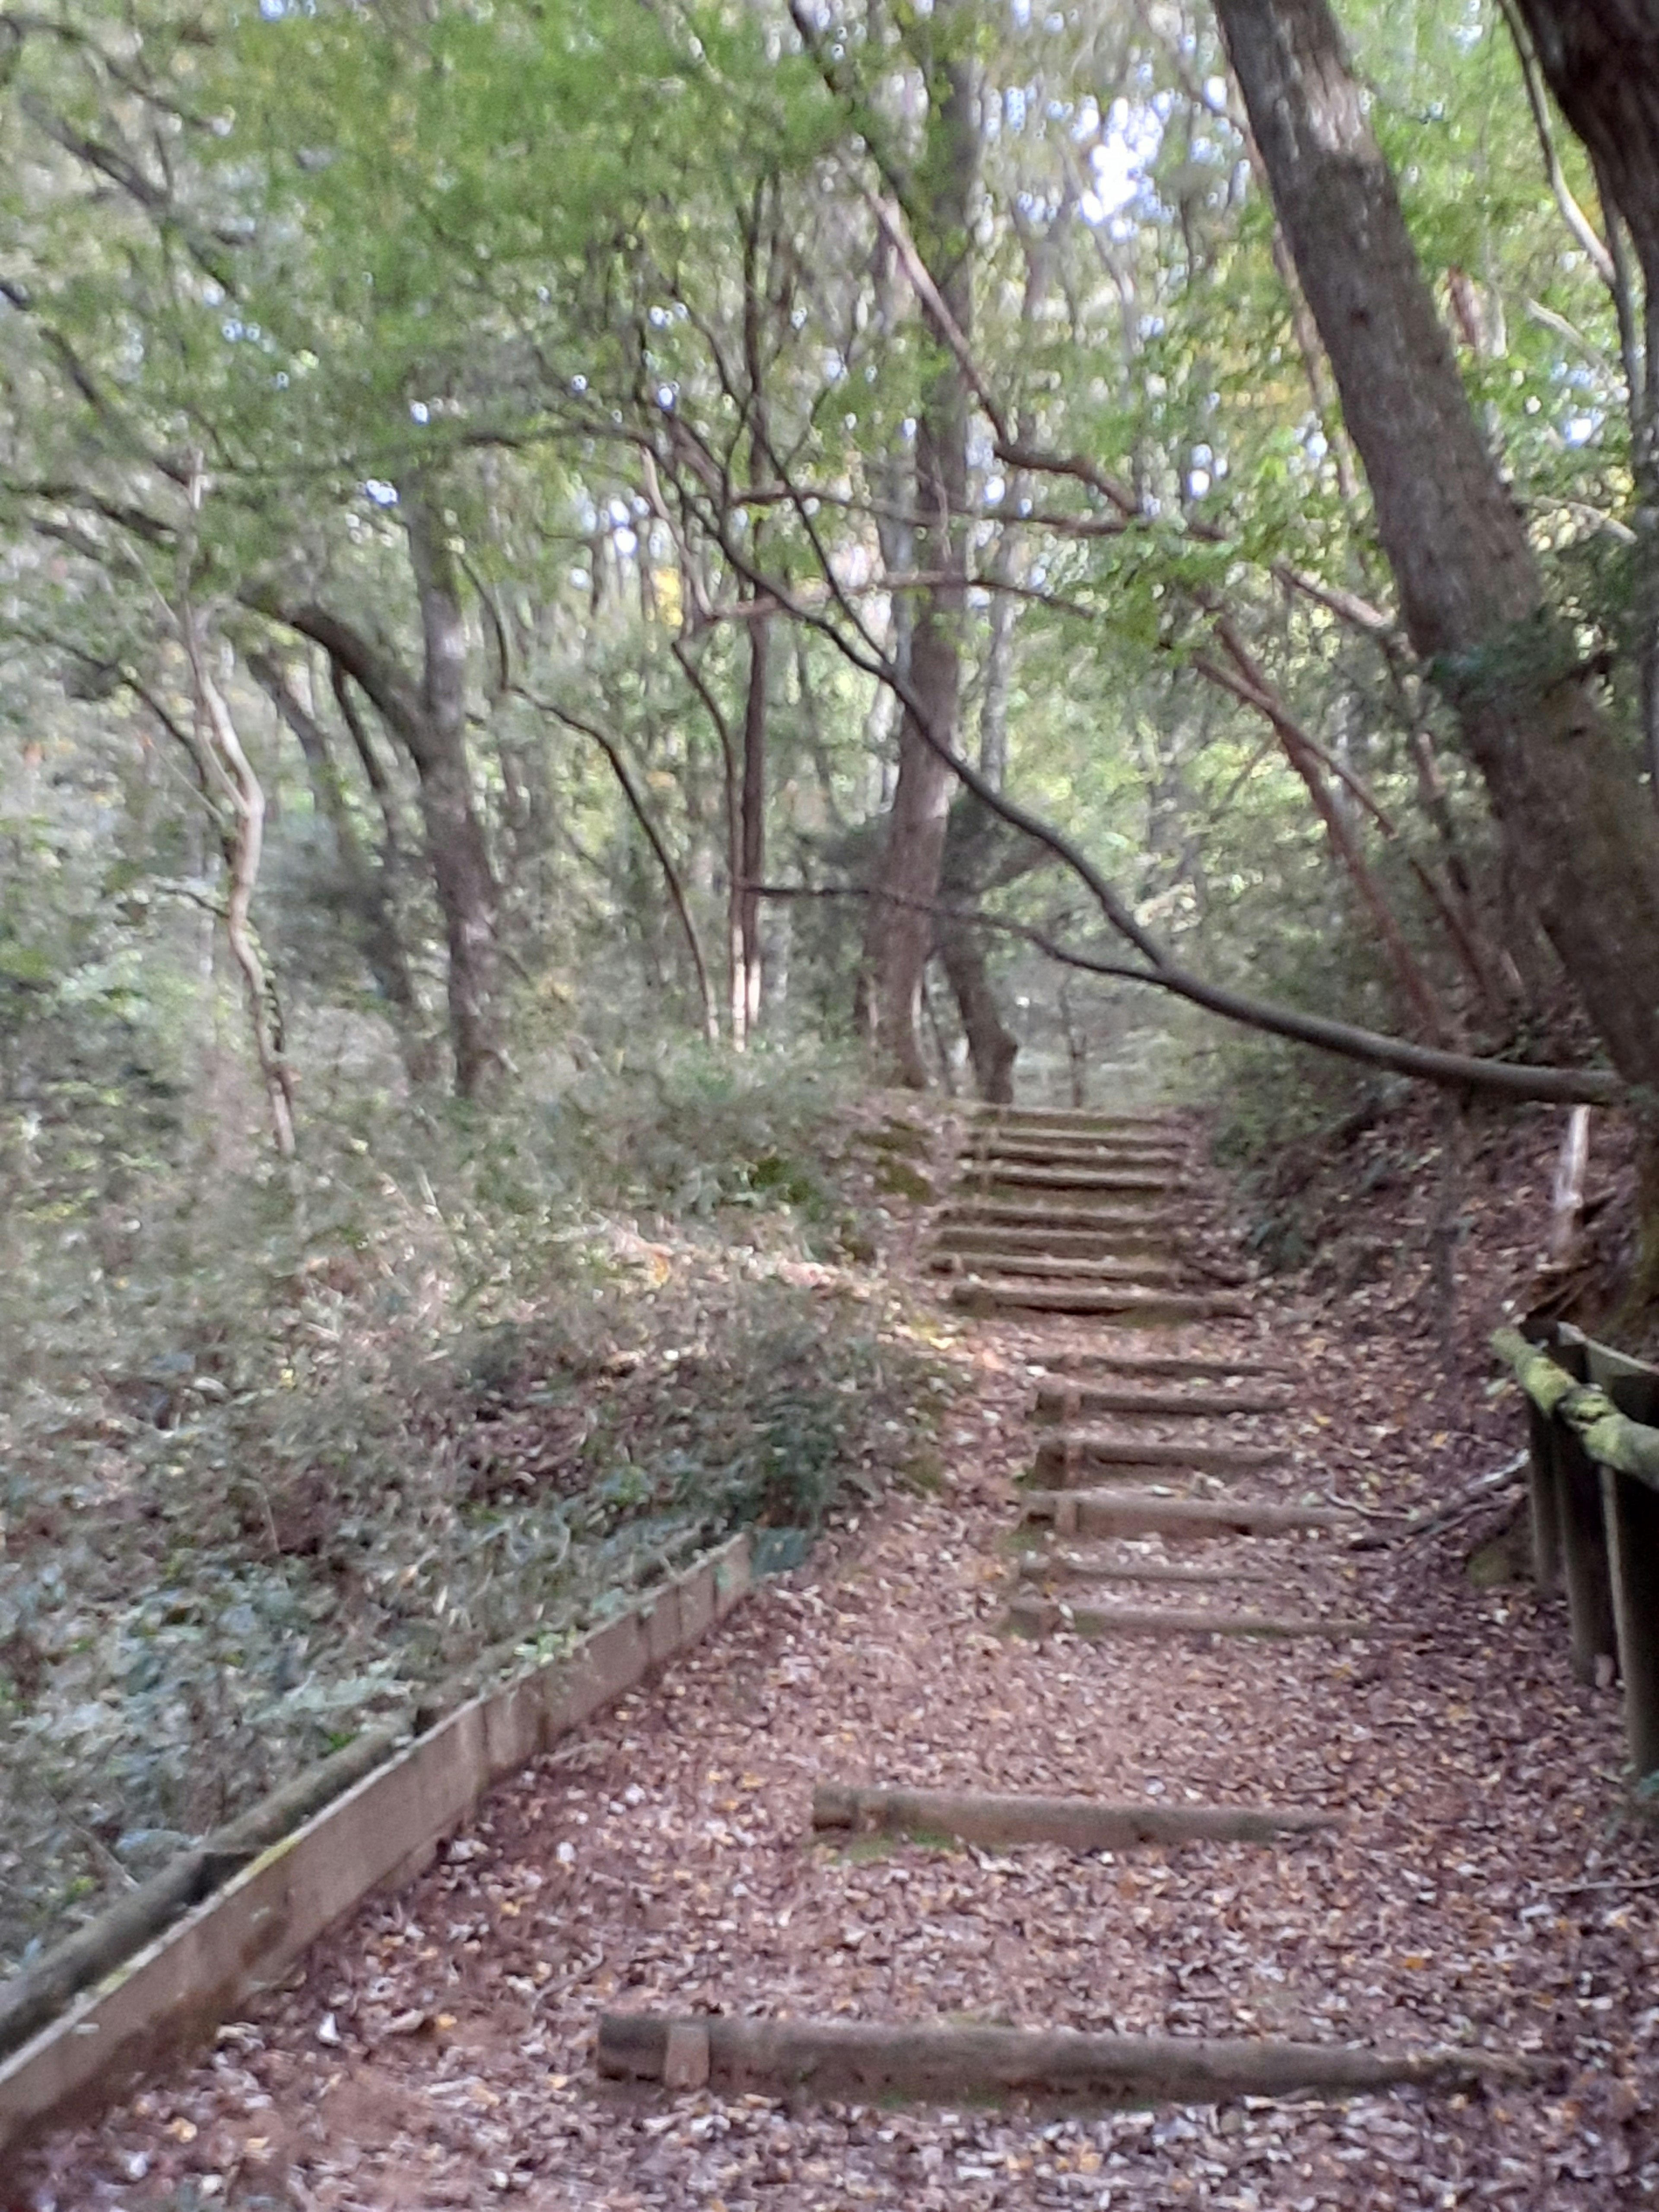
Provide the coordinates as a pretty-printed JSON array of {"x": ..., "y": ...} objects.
[{"x": 1115, "y": 1737}]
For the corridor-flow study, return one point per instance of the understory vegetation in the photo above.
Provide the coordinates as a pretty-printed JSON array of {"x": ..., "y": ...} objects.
[{"x": 282, "y": 1451}]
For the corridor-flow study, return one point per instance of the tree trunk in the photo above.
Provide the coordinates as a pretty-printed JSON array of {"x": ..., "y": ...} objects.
[
  {"x": 752, "y": 827},
  {"x": 1559, "y": 780},
  {"x": 1601, "y": 59},
  {"x": 230, "y": 776},
  {"x": 915, "y": 836},
  {"x": 361, "y": 880},
  {"x": 992, "y": 1047},
  {"x": 455, "y": 850}
]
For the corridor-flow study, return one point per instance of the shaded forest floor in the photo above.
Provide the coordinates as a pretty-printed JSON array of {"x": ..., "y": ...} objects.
[{"x": 1487, "y": 1887}]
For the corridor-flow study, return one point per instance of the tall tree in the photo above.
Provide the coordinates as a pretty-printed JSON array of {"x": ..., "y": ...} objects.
[
  {"x": 941, "y": 196},
  {"x": 1561, "y": 778}
]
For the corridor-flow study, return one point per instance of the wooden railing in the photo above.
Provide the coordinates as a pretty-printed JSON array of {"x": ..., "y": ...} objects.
[{"x": 1594, "y": 1455}]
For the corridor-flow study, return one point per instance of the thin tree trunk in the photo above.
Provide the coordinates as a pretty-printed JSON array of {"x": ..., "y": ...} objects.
[
  {"x": 456, "y": 851},
  {"x": 992, "y": 1047},
  {"x": 363, "y": 883},
  {"x": 752, "y": 831},
  {"x": 921, "y": 798},
  {"x": 1471, "y": 591},
  {"x": 232, "y": 772}
]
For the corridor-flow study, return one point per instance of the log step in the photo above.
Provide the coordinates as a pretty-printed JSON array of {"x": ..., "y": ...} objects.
[
  {"x": 1150, "y": 1180},
  {"x": 1044, "y": 1268},
  {"x": 1091, "y": 1220},
  {"x": 1151, "y": 1308},
  {"x": 1132, "y": 1513},
  {"x": 1068, "y": 1117},
  {"x": 1077, "y": 1824},
  {"x": 986, "y": 1239},
  {"x": 1083, "y": 1449},
  {"x": 1049, "y": 1616},
  {"x": 1046, "y": 1152},
  {"x": 1059, "y": 1403},
  {"x": 1048, "y": 1566},
  {"x": 867, "y": 2062},
  {"x": 1177, "y": 1366}
]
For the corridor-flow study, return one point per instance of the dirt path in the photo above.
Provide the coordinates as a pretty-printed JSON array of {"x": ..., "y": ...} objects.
[{"x": 440, "y": 2050}]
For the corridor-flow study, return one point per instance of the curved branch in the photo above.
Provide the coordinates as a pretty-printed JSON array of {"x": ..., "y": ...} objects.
[{"x": 1449, "y": 1071}]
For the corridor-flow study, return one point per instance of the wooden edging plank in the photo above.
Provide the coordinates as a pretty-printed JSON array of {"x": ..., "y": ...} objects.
[
  {"x": 1107, "y": 1513},
  {"x": 383, "y": 1830},
  {"x": 868, "y": 2061},
  {"x": 1040, "y": 1617},
  {"x": 1077, "y": 1824},
  {"x": 1058, "y": 1402}
]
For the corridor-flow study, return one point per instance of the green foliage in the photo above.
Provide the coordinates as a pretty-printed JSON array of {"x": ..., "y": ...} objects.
[{"x": 289, "y": 1458}]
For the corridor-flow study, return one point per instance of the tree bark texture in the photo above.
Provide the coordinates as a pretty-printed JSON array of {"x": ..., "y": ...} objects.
[
  {"x": 943, "y": 188},
  {"x": 1560, "y": 782}
]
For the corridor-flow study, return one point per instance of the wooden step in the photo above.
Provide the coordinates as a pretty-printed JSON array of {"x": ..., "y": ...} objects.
[
  {"x": 1039, "y": 1617},
  {"x": 872, "y": 2061},
  {"x": 1056, "y": 1403},
  {"x": 1182, "y": 1366},
  {"x": 1046, "y": 1566},
  {"x": 1043, "y": 1220},
  {"x": 1070, "y": 1117},
  {"x": 1149, "y": 1308},
  {"x": 985, "y": 1239},
  {"x": 1077, "y": 1824},
  {"x": 1132, "y": 1513},
  {"x": 1041, "y": 1267},
  {"x": 1076, "y": 1451},
  {"x": 1152, "y": 1181},
  {"x": 1042, "y": 1152}
]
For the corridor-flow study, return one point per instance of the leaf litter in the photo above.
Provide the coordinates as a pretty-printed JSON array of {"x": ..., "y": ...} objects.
[{"x": 1488, "y": 1889}]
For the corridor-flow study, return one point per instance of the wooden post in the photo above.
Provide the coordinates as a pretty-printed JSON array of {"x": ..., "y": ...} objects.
[
  {"x": 1632, "y": 1511},
  {"x": 1545, "y": 1503},
  {"x": 1583, "y": 1554}
]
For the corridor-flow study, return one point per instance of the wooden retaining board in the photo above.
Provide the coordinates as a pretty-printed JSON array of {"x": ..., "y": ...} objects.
[
  {"x": 868, "y": 2061},
  {"x": 239, "y": 1941}
]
